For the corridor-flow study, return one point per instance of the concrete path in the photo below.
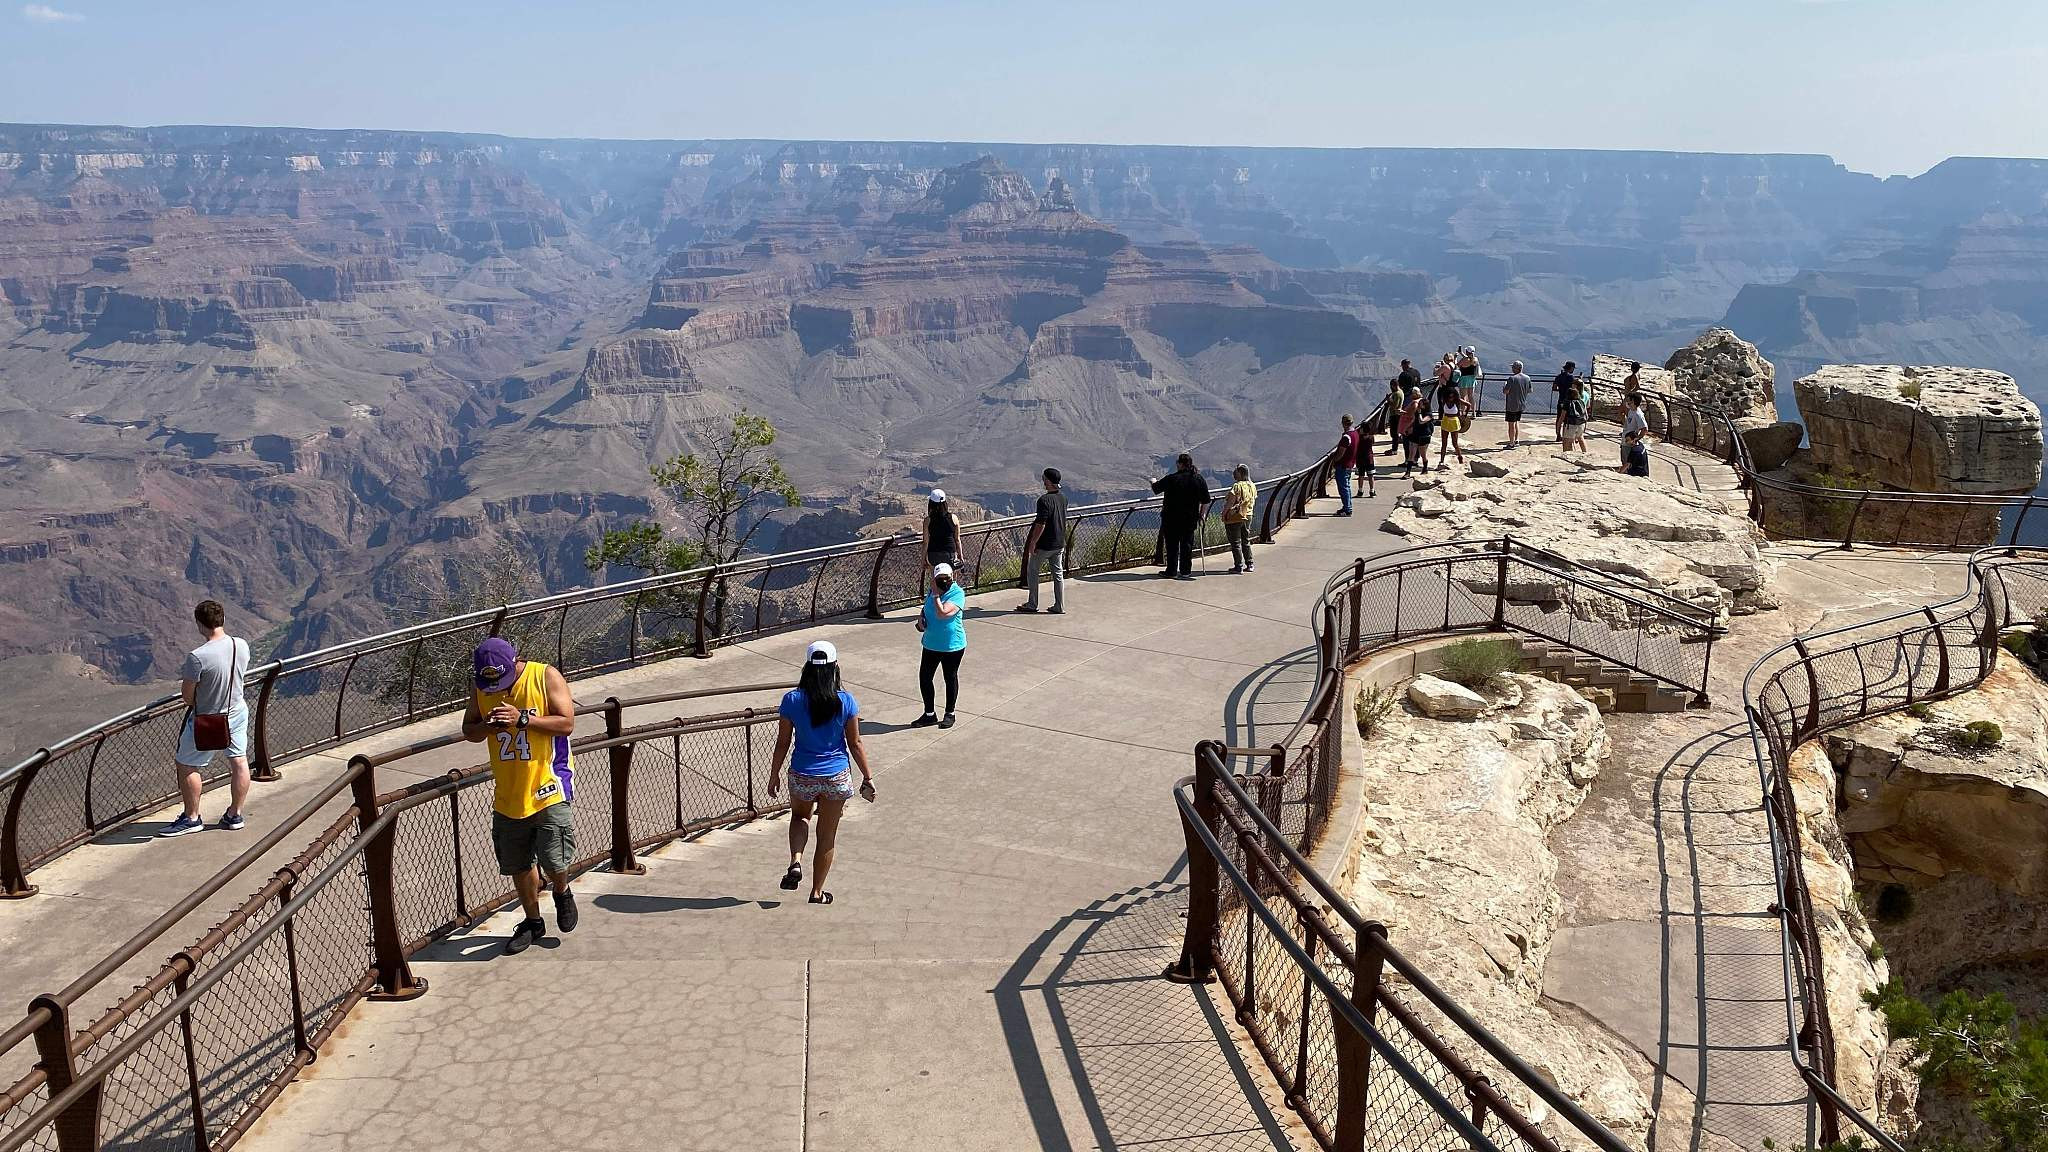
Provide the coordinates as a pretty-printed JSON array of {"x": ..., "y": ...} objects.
[{"x": 988, "y": 977}]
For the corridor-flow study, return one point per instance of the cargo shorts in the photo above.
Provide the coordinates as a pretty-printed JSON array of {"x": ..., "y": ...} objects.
[{"x": 546, "y": 838}]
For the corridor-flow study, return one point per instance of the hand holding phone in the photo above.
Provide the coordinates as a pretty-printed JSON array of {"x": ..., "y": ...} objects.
[{"x": 867, "y": 791}]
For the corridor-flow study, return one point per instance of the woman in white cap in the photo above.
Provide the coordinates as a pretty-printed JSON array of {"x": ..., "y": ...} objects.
[
  {"x": 944, "y": 624},
  {"x": 941, "y": 531},
  {"x": 822, "y": 722}
]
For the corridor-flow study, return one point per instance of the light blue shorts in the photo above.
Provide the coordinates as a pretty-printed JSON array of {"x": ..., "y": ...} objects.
[{"x": 238, "y": 740}]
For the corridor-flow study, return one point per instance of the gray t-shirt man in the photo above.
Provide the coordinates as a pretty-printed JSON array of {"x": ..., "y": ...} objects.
[
  {"x": 1515, "y": 393},
  {"x": 216, "y": 669}
]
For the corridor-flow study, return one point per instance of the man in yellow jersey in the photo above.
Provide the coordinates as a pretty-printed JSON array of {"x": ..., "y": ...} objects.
[{"x": 523, "y": 712}]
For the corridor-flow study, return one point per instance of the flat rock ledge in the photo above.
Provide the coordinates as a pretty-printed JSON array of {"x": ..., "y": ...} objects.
[
  {"x": 1688, "y": 544},
  {"x": 1454, "y": 859}
]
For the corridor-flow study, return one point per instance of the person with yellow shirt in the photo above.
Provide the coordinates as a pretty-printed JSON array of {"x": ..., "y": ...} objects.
[
  {"x": 523, "y": 711},
  {"x": 1237, "y": 518}
]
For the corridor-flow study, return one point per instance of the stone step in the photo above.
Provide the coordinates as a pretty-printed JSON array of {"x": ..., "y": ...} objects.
[{"x": 1633, "y": 691}]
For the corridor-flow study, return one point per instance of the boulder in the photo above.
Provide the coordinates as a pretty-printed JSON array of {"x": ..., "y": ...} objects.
[
  {"x": 1455, "y": 858},
  {"x": 1922, "y": 429},
  {"x": 1770, "y": 444},
  {"x": 1722, "y": 370},
  {"x": 1441, "y": 699}
]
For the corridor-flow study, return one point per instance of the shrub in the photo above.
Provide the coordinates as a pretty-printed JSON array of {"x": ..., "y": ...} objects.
[
  {"x": 1475, "y": 663},
  {"x": 1920, "y": 710},
  {"x": 1875, "y": 951},
  {"x": 2017, "y": 643},
  {"x": 1375, "y": 702},
  {"x": 1910, "y": 390},
  {"x": 1980, "y": 734},
  {"x": 1980, "y": 1049}
]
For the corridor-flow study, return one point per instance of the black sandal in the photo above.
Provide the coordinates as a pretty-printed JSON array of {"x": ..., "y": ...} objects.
[
  {"x": 792, "y": 878},
  {"x": 821, "y": 898}
]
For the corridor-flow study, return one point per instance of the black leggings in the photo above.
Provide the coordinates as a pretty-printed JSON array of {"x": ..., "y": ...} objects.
[{"x": 933, "y": 661}]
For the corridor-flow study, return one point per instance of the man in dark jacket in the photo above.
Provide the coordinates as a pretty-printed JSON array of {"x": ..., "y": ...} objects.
[{"x": 1186, "y": 504}]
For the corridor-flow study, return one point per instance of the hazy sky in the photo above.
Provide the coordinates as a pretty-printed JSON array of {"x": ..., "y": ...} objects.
[{"x": 1882, "y": 85}]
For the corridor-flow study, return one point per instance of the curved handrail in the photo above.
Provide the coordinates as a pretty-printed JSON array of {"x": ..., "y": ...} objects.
[
  {"x": 1266, "y": 861},
  {"x": 1787, "y": 706}
]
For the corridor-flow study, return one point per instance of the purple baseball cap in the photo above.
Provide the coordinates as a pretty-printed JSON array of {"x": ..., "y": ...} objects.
[{"x": 496, "y": 661}]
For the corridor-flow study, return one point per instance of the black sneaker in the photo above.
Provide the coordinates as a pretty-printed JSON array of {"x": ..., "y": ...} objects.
[
  {"x": 527, "y": 932},
  {"x": 947, "y": 722},
  {"x": 924, "y": 721},
  {"x": 565, "y": 911},
  {"x": 1055, "y": 610}
]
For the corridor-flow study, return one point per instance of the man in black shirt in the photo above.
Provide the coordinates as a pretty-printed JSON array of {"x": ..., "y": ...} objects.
[
  {"x": 1186, "y": 504},
  {"x": 1047, "y": 545},
  {"x": 1567, "y": 379}
]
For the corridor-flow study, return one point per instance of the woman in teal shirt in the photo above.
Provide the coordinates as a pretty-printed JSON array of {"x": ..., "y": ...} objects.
[{"x": 944, "y": 624}]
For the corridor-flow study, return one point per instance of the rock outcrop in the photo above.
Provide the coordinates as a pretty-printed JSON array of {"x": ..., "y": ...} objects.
[
  {"x": 1689, "y": 544},
  {"x": 1922, "y": 429},
  {"x": 1454, "y": 859},
  {"x": 1722, "y": 370},
  {"x": 1441, "y": 699}
]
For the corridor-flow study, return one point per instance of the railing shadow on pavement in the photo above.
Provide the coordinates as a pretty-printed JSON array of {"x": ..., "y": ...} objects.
[{"x": 1148, "y": 1066}]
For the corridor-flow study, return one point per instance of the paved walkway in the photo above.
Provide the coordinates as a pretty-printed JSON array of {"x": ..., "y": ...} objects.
[{"x": 988, "y": 976}]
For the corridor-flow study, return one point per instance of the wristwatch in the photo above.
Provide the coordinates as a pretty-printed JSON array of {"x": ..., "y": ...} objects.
[{"x": 525, "y": 714}]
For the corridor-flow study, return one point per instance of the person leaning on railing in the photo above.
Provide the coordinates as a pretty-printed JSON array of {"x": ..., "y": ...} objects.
[{"x": 523, "y": 710}]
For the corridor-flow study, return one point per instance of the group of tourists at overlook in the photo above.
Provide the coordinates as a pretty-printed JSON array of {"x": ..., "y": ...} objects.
[{"x": 522, "y": 710}]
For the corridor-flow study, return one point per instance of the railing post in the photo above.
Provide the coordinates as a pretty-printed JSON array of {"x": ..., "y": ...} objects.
[
  {"x": 77, "y": 1127},
  {"x": 875, "y": 579},
  {"x": 703, "y": 645},
  {"x": 1266, "y": 517},
  {"x": 1700, "y": 699},
  {"x": 1354, "y": 1052},
  {"x": 179, "y": 984},
  {"x": 1500, "y": 586},
  {"x": 260, "y": 767},
  {"x": 622, "y": 781},
  {"x": 1197, "y": 963},
  {"x": 412, "y": 676},
  {"x": 1941, "y": 653},
  {"x": 1856, "y": 514},
  {"x": 1812, "y": 726},
  {"x": 2012, "y": 542},
  {"x": 498, "y": 621},
  {"x": 14, "y": 883},
  {"x": 1357, "y": 606},
  {"x": 291, "y": 959},
  {"x": 395, "y": 980},
  {"x": 1327, "y": 653},
  {"x": 1116, "y": 543}
]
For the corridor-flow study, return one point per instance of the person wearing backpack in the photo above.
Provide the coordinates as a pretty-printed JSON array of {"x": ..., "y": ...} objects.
[
  {"x": 1237, "y": 517},
  {"x": 1571, "y": 416},
  {"x": 216, "y": 720}
]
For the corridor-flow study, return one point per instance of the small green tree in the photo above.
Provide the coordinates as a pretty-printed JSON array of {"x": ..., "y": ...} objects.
[
  {"x": 1980, "y": 1049},
  {"x": 709, "y": 507}
]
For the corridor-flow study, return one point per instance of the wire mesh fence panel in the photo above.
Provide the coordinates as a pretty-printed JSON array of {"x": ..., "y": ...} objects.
[
  {"x": 722, "y": 773},
  {"x": 381, "y": 681},
  {"x": 423, "y": 870},
  {"x": 133, "y": 770},
  {"x": 22, "y": 1100},
  {"x": 54, "y": 808},
  {"x": 785, "y": 595},
  {"x": 145, "y": 1101},
  {"x": 903, "y": 574},
  {"x": 331, "y": 936},
  {"x": 242, "y": 1035},
  {"x": 595, "y": 635},
  {"x": 651, "y": 792},
  {"x": 996, "y": 558},
  {"x": 300, "y": 712},
  {"x": 482, "y": 885},
  {"x": 843, "y": 584},
  {"x": 590, "y": 808}
]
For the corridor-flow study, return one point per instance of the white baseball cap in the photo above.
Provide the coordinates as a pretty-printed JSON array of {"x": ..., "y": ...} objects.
[
  {"x": 939, "y": 570},
  {"x": 938, "y": 496},
  {"x": 822, "y": 652}
]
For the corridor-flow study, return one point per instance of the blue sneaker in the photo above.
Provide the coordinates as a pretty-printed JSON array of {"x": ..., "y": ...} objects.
[
  {"x": 182, "y": 825},
  {"x": 230, "y": 821}
]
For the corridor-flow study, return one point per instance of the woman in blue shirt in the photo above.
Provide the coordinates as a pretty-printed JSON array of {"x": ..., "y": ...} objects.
[
  {"x": 822, "y": 723},
  {"x": 944, "y": 624}
]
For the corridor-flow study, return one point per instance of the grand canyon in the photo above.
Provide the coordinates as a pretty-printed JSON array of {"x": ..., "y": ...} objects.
[{"x": 316, "y": 373}]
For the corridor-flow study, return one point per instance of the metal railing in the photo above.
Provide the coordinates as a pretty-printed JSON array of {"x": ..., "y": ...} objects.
[
  {"x": 1368, "y": 1058},
  {"x": 1826, "y": 680},
  {"x": 110, "y": 774},
  {"x": 194, "y": 1054}
]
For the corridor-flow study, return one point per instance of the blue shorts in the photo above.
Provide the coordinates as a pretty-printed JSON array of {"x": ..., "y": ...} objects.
[{"x": 238, "y": 740}]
